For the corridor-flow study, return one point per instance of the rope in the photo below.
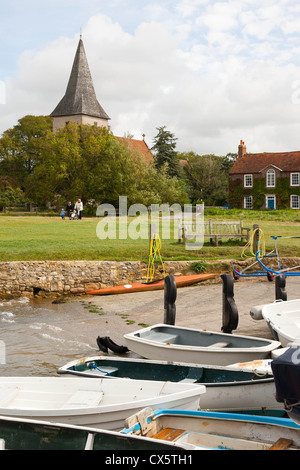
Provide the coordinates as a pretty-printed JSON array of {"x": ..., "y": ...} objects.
[
  {"x": 92, "y": 365},
  {"x": 155, "y": 247},
  {"x": 289, "y": 407},
  {"x": 261, "y": 246}
]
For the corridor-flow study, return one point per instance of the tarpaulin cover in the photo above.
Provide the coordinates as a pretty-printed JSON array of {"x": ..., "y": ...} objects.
[{"x": 286, "y": 370}]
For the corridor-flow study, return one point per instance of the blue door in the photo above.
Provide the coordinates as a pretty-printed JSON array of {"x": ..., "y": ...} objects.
[{"x": 271, "y": 202}]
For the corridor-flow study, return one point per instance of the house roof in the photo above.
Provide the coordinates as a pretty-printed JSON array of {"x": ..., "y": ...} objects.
[
  {"x": 80, "y": 96},
  {"x": 256, "y": 162},
  {"x": 138, "y": 146}
]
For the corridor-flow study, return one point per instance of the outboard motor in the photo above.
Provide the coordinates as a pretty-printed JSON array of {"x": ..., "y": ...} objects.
[{"x": 286, "y": 371}]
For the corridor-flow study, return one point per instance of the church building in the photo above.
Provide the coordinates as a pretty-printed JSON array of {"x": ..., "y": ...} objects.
[{"x": 80, "y": 104}]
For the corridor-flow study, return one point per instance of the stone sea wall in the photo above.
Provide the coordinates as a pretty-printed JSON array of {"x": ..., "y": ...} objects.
[
  {"x": 52, "y": 278},
  {"x": 56, "y": 278}
]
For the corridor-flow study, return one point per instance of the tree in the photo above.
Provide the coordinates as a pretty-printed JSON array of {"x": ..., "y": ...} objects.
[
  {"x": 11, "y": 197},
  {"x": 20, "y": 147},
  {"x": 228, "y": 161},
  {"x": 164, "y": 151},
  {"x": 82, "y": 161},
  {"x": 206, "y": 178}
]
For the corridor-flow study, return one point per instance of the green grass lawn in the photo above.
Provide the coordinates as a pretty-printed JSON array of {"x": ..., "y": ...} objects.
[{"x": 24, "y": 238}]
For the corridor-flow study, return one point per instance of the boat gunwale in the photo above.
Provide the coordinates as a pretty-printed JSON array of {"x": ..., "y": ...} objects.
[
  {"x": 89, "y": 430},
  {"x": 269, "y": 346},
  {"x": 240, "y": 383},
  {"x": 273, "y": 420},
  {"x": 262, "y": 378}
]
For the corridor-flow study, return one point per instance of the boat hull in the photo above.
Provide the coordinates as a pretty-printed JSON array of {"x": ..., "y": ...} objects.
[
  {"x": 216, "y": 431},
  {"x": 84, "y": 402},
  {"x": 181, "y": 281},
  {"x": 227, "y": 388},
  {"x": 283, "y": 319},
  {"x": 171, "y": 343},
  {"x": 22, "y": 434}
]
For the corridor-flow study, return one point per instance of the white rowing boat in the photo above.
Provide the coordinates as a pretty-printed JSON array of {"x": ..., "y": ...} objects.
[
  {"x": 283, "y": 319},
  {"x": 82, "y": 401},
  {"x": 180, "y": 344},
  {"x": 215, "y": 431},
  {"x": 235, "y": 388}
]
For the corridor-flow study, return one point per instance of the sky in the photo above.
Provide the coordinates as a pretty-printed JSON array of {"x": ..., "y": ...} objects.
[{"x": 212, "y": 72}]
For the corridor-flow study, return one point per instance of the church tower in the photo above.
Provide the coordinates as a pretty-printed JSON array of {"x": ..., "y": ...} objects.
[{"x": 80, "y": 103}]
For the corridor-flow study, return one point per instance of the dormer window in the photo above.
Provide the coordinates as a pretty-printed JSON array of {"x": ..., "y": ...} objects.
[
  {"x": 248, "y": 181},
  {"x": 271, "y": 179}
]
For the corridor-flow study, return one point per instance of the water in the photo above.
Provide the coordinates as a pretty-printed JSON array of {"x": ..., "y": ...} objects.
[{"x": 39, "y": 337}]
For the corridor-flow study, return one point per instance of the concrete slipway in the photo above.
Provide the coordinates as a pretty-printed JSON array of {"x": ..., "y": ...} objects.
[{"x": 198, "y": 306}]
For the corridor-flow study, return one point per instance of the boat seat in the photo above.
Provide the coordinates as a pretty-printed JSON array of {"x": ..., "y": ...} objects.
[
  {"x": 219, "y": 345},
  {"x": 83, "y": 399},
  {"x": 163, "y": 337},
  {"x": 169, "y": 434},
  {"x": 281, "y": 444}
]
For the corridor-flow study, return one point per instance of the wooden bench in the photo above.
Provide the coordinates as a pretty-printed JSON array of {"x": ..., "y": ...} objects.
[{"x": 214, "y": 230}]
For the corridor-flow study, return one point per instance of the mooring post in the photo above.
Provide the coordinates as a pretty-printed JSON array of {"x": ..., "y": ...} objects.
[
  {"x": 152, "y": 232},
  {"x": 255, "y": 237},
  {"x": 170, "y": 295},
  {"x": 230, "y": 314},
  {"x": 280, "y": 292}
]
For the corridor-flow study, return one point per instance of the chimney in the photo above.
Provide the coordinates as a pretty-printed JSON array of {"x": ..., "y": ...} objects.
[{"x": 242, "y": 149}]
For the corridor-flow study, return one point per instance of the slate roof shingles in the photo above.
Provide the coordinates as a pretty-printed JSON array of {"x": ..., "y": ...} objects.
[{"x": 80, "y": 96}]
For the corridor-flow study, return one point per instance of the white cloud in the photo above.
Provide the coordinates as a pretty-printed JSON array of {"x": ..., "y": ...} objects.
[
  {"x": 220, "y": 17},
  {"x": 186, "y": 8},
  {"x": 213, "y": 72}
]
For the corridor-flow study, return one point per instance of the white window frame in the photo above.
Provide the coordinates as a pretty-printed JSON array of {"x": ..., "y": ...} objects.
[
  {"x": 292, "y": 205},
  {"x": 271, "y": 174},
  {"x": 297, "y": 175},
  {"x": 248, "y": 181},
  {"x": 248, "y": 202}
]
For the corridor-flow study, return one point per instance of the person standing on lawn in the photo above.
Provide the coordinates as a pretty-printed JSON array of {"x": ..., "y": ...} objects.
[
  {"x": 69, "y": 209},
  {"x": 79, "y": 207}
]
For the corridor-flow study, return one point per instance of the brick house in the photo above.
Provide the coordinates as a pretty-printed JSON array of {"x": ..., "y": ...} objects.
[{"x": 265, "y": 180}]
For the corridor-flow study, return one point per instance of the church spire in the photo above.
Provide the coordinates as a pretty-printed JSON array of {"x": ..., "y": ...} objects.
[{"x": 80, "y": 103}]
